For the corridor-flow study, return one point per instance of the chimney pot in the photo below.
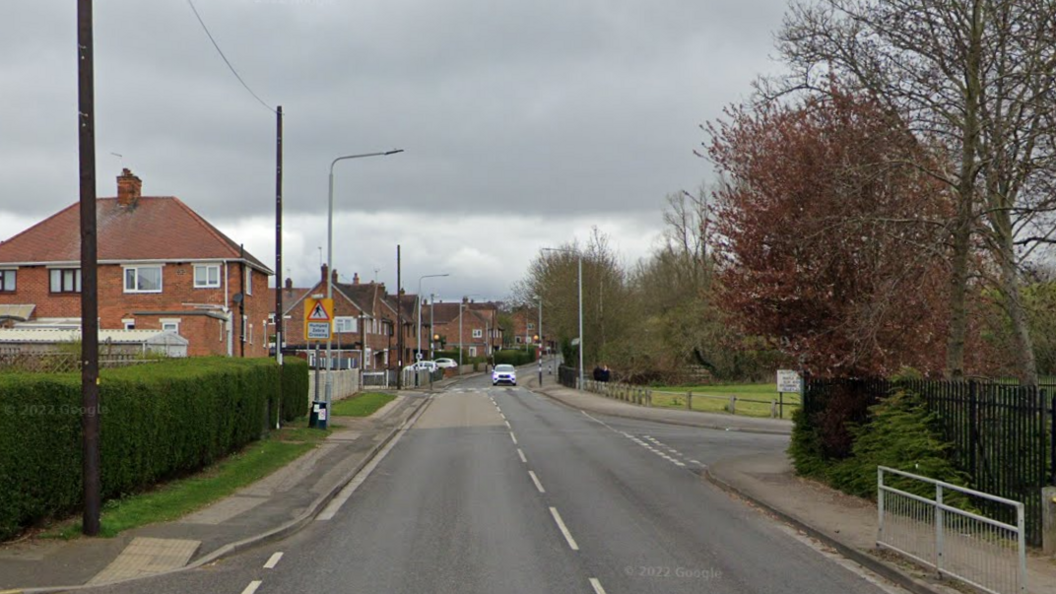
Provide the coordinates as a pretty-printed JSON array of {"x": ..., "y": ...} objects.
[
  {"x": 289, "y": 283},
  {"x": 129, "y": 188},
  {"x": 355, "y": 278}
]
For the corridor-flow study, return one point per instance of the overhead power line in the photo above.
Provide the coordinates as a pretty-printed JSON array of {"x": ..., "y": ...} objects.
[{"x": 226, "y": 61}]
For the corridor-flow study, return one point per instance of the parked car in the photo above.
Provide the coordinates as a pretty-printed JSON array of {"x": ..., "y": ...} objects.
[
  {"x": 444, "y": 363},
  {"x": 422, "y": 366},
  {"x": 504, "y": 374}
]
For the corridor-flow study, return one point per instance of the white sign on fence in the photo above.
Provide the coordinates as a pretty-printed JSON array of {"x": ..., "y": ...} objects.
[{"x": 787, "y": 381}]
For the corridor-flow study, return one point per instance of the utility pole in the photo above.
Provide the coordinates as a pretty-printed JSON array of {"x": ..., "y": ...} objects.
[
  {"x": 279, "y": 333},
  {"x": 89, "y": 270}
]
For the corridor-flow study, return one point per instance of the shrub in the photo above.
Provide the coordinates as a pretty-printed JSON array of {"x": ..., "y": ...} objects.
[
  {"x": 157, "y": 421},
  {"x": 515, "y": 357},
  {"x": 294, "y": 388}
]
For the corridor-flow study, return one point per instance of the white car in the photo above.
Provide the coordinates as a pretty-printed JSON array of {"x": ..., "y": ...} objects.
[
  {"x": 444, "y": 363},
  {"x": 422, "y": 366},
  {"x": 504, "y": 374}
]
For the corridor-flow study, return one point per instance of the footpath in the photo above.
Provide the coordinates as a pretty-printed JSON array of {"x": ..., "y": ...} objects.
[
  {"x": 270, "y": 509},
  {"x": 838, "y": 521}
]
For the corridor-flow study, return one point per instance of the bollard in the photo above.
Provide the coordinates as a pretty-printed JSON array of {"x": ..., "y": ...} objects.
[
  {"x": 648, "y": 397},
  {"x": 1048, "y": 520},
  {"x": 733, "y": 405},
  {"x": 689, "y": 400},
  {"x": 773, "y": 408}
]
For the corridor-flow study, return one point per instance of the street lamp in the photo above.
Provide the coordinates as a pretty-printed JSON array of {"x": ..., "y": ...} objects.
[
  {"x": 330, "y": 259},
  {"x": 579, "y": 256},
  {"x": 424, "y": 276}
]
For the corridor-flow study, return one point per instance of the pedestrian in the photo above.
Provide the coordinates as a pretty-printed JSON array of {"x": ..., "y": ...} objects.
[
  {"x": 597, "y": 373},
  {"x": 605, "y": 374}
]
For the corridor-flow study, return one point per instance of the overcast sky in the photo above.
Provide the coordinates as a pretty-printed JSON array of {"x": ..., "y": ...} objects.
[{"x": 524, "y": 123}]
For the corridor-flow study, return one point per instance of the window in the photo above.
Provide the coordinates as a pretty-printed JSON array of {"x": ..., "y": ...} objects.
[
  {"x": 7, "y": 280},
  {"x": 345, "y": 324},
  {"x": 478, "y": 333},
  {"x": 242, "y": 330},
  {"x": 518, "y": 339},
  {"x": 251, "y": 334},
  {"x": 65, "y": 280},
  {"x": 207, "y": 276},
  {"x": 249, "y": 280},
  {"x": 170, "y": 325},
  {"x": 143, "y": 279},
  {"x": 129, "y": 324},
  {"x": 531, "y": 326},
  {"x": 472, "y": 351}
]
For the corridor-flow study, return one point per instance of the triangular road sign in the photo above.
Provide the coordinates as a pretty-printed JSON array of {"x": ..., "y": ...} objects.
[{"x": 318, "y": 313}]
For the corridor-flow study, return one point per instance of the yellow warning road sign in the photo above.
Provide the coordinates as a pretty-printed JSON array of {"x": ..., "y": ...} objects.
[{"x": 318, "y": 318}]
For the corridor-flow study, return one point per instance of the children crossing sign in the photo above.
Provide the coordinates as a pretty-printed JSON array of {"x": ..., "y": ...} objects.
[{"x": 318, "y": 318}]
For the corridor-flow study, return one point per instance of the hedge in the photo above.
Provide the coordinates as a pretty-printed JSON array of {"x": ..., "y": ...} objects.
[
  {"x": 157, "y": 421},
  {"x": 515, "y": 357}
]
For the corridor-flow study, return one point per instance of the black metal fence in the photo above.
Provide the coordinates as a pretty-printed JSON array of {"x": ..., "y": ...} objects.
[
  {"x": 1003, "y": 436},
  {"x": 567, "y": 376}
]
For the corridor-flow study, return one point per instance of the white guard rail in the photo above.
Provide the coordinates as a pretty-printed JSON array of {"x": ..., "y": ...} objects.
[{"x": 980, "y": 551}]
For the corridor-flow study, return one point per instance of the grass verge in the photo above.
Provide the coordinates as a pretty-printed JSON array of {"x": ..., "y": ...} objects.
[
  {"x": 716, "y": 398},
  {"x": 362, "y": 405},
  {"x": 180, "y": 497}
]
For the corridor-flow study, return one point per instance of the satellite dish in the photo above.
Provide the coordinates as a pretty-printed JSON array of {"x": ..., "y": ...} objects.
[{"x": 237, "y": 298}]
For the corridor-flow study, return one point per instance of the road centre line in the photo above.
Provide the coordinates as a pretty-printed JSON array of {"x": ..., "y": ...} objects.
[
  {"x": 513, "y": 437},
  {"x": 564, "y": 529},
  {"x": 520, "y": 453},
  {"x": 535, "y": 480},
  {"x": 273, "y": 561},
  {"x": 594, "y": 583},
  {"x": 508, "y": 426},
  {"x": 252, "y": 587}
]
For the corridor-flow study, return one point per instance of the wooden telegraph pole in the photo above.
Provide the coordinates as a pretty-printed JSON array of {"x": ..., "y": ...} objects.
[{"x": 89, "y": 272}]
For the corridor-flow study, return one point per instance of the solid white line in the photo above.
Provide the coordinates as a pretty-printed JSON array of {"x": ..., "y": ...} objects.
[
  {"x": 564, "y": 529},
  {"x": 521, "y": 454},
  {"x": 513, "y": 437},
  {"x": 273, "y": 561},
  {"x": 252, "y": 587},
  {"x": 597, "y": 586},
  {"x": 342, "y": 497},
  {"x": 535, "y": 480}
]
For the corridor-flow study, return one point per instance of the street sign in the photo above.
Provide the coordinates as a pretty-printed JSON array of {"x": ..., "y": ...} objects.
[
  {"x": 318, "y": 318},
  {"x": 787, "y": 381}
]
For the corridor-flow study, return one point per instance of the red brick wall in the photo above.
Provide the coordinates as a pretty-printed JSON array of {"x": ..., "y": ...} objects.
[{"x": 178, "y": 294}]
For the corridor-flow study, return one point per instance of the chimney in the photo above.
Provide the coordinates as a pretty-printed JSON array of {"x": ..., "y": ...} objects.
[
  {"x": 355, "y": 278},
  {"x": 129, "y": 188},
  {"x": 333, "y": 275},
  {"x": 289, "y": 283},
  {"x": 322, "y": 272}
]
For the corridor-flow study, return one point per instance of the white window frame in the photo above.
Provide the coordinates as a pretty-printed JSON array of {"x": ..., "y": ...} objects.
[
  {"x": 249, "y": 280},
  {"x": 128, "y": 323},
  {"x": 8, "y": 276},
  {"x": 472, "y": 351},
  {"x": 345, "y": 325},
  {"x": 251, "y": 334},
  {"x": 207, "y": 284},
  {"x": 478, "y": 333},
  {"x": 135, "y": 269},
  {"x": 170, "y": 322},
  {"x": 242, "y": 330}
]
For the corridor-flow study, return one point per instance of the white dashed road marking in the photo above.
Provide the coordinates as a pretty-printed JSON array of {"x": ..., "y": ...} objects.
[
  {"x": 594, "y": 583},
  {"x": 252, "y": 587},
  {"x": 273, "y": 561},
  {"x": 535, "y": 480},
  {"x": 564, "y": 529}
]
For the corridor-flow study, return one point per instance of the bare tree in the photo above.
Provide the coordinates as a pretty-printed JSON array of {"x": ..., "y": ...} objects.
[{"x": 973, "y": 76}]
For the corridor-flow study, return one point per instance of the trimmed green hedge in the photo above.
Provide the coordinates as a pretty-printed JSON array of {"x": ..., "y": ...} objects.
[
  {"x": 157, "y": 421},
  {"x": 294, "y": 388},
  {"x": 515, "y": 357}
]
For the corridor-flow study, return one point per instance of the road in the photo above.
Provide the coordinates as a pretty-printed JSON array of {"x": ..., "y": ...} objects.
[{"x": 498, "y": 489}]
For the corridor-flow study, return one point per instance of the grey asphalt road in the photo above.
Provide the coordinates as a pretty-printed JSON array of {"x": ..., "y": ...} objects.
[{"x": 502, "y": 490}]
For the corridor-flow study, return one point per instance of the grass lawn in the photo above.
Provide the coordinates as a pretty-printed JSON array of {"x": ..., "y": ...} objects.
[
  {"x": 362, "y": 405},
  {"x": 178, "y": 498},
  {"x": 716, "y": 398}
]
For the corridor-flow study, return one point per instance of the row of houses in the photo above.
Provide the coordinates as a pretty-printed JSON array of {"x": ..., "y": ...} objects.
[{"x": 164, "y": 269}]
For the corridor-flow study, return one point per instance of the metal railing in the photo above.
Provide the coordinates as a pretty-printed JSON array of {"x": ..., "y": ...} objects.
[
  {"x": 961, "y": 544},
  {"x": 377, "y": 379},
  {"x": 620, "y": 391}
]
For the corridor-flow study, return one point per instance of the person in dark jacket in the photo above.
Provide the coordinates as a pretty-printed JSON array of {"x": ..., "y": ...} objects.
[
  {"x": 598, "y": 373},
  {"x": 605, "y": 374}
]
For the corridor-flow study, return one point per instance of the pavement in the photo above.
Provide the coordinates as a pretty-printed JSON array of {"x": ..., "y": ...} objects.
[
  {"x": 270, "y": 509},
  {"x": 845, "y": 523}
]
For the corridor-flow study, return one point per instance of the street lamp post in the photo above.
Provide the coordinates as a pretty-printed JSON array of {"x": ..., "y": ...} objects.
[
  {"x": 424, "y": 276},
  {"x": 330, "y": 261},
  {"x": 539, "y": 329},
  {"x": 579, "y": 256}
]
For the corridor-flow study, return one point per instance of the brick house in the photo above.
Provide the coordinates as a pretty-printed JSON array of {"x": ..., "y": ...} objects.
[
  {"x": 364, "y": 323},
  {"x": 480, "y": 331},
  {"x": 161, "y": 266},
  {"x": 525, "y": 327}
]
